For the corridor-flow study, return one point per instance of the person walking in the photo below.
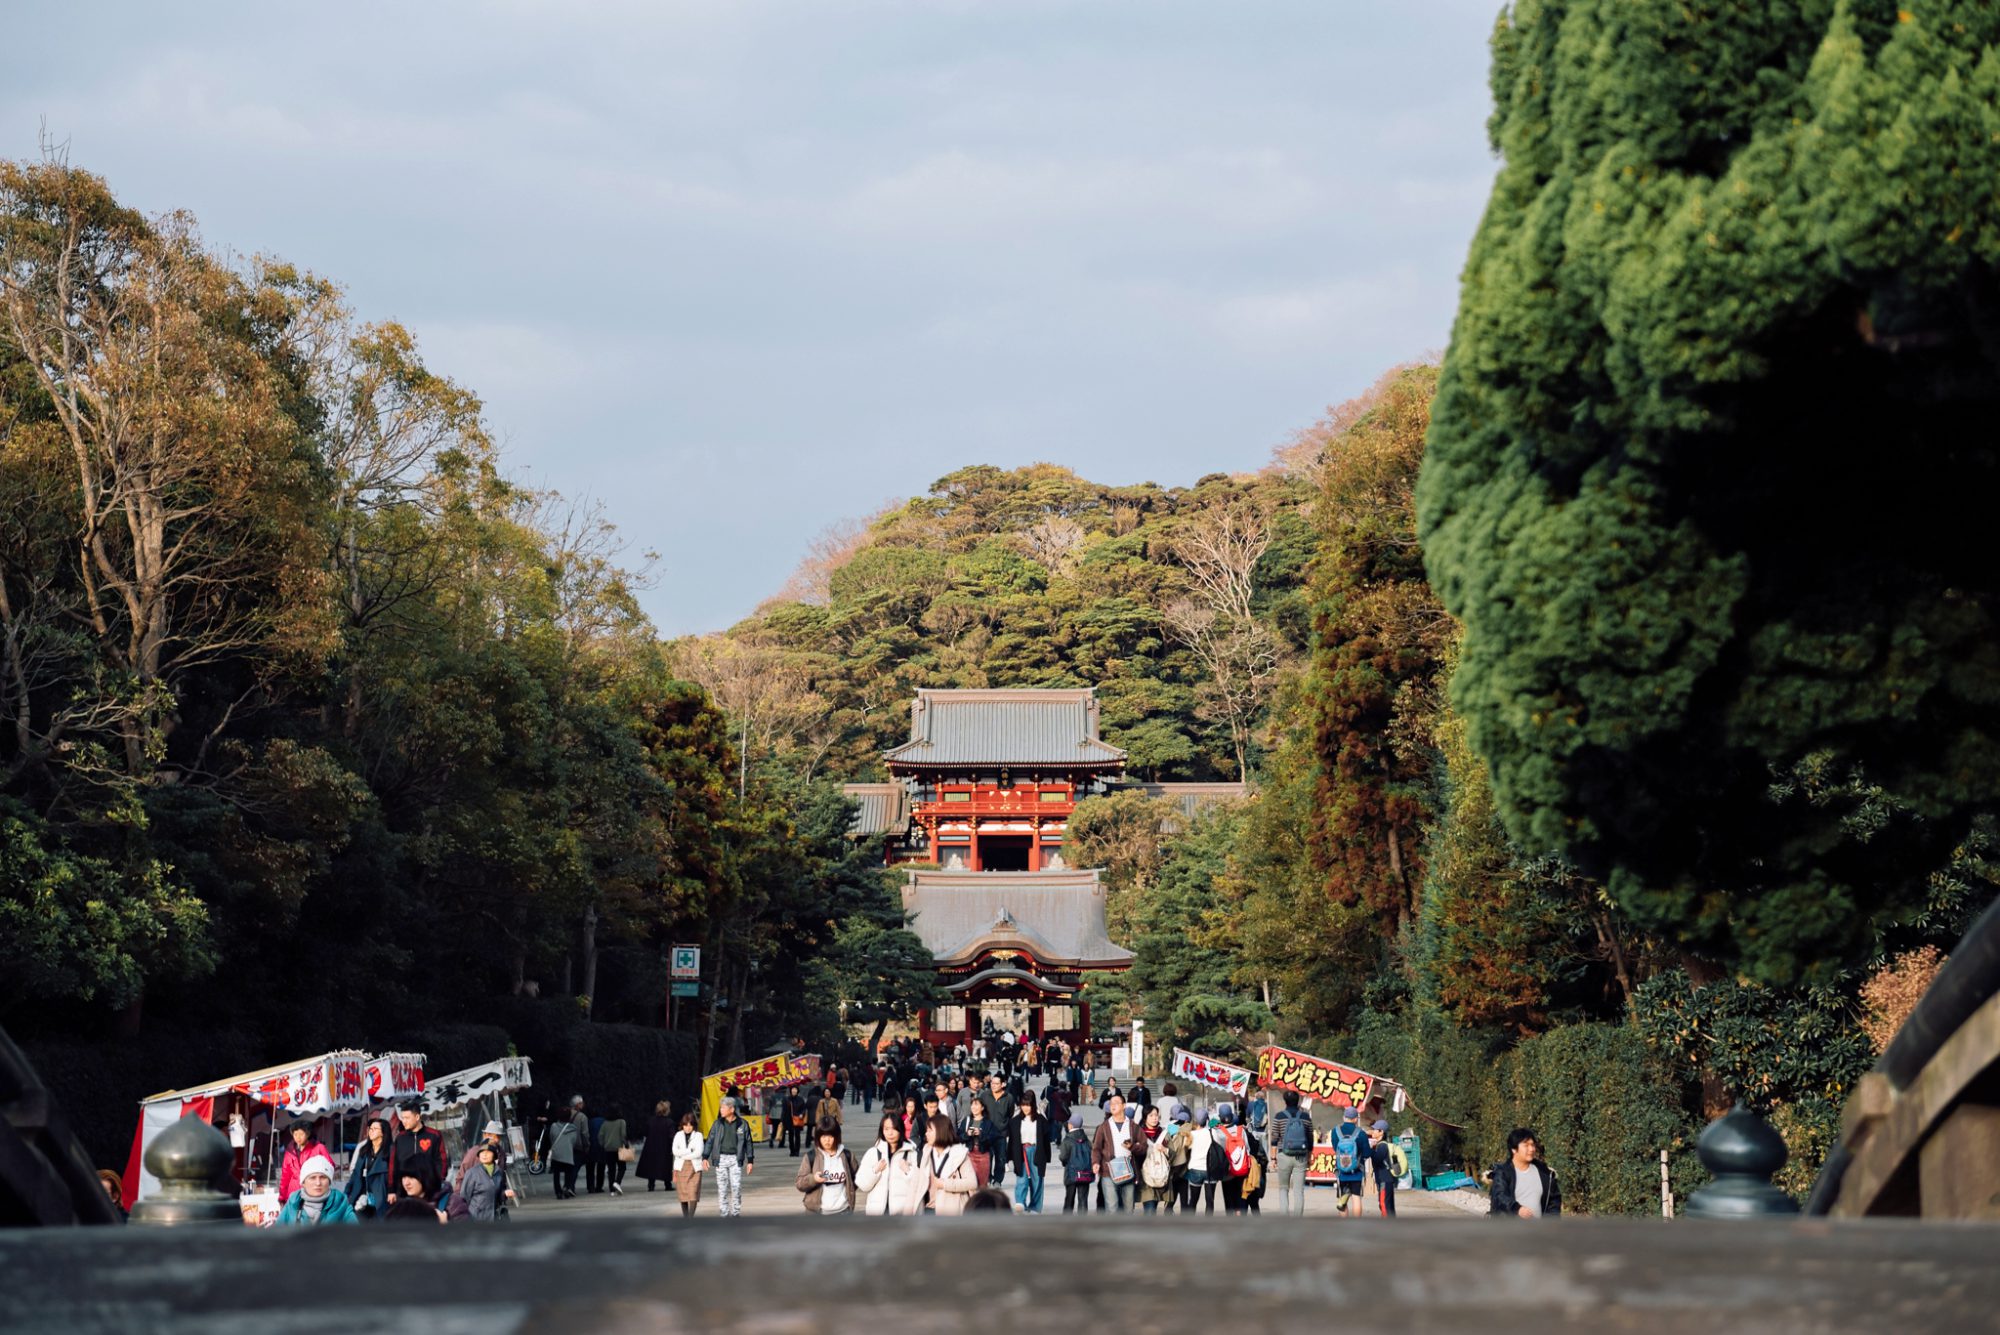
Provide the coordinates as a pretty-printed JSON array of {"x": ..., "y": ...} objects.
[
  {"x": 871, "y": 1086},
  {"x": 1524, "y": 1187},
  {"x": 1111, "y": 1154},
  {"x": 1078, "y": 1174},
  {"x": 827, "y": 1110},
  {"x": 1058, "y": 1103},
  {"x": 1381, "y": 1167},
  {"x": 912, "y": 1117},
  {"x": 1156, "y": 1167},
  {"x": 826, "y": 1176},
  {"x": 368, "y": 1176},
  {"x": 593, "y": 1155},
  {"x": 314, "y": 1201},
  {"x": 890, "y": 1176},
  {"x": 1350, "y": 1163},
  {"x": 1028, "y": 1153},
  {"x": 1000, "y": 1108},
  {"x": 985, "y": 1143},
  {"x": 1233, "y": 1139},
  {"x": 490, "y": 1134},
  {"x": 1291, "y": 1150},
  {"x": 1205, "y": 1163},
  {"x": 416, "y": 1151},
  {"x": 1138, "y": 1098},
  {"x": 796, "y": 1112},
  {"x": 566, "y": 1148},
  {"x": 732, "y": 1153},
  {"x": 612, "y": 1147},
  {"x": 687, "y": 1157},
  {"x": 483, "y": 1192},
  {"x": 947, "y": 1168},
  {"x": 1180, "y": 1138},
  {"x": 656, "y": 1156}
]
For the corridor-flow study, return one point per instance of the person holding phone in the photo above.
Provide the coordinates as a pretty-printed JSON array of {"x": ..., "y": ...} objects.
[{"x": 826, "y": 1173}]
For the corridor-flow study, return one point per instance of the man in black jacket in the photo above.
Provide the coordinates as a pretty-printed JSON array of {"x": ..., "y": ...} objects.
[
  {"x": 1523, "y": 1186},
  {"x": 416, "y": 1151}
]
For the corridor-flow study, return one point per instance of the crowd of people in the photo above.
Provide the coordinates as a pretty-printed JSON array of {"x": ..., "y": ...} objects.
[{"x": 955, "y": 1129}]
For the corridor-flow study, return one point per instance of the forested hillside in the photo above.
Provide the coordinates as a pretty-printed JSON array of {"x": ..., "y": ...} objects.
[{"x": 318, "y": 731}]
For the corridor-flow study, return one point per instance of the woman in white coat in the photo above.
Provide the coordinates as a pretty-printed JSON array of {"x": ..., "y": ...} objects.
[
  {"x": 890, "y": 1178},
  {"x": 689, "y": 1160},
  {"x": 947, "y": 1167}
]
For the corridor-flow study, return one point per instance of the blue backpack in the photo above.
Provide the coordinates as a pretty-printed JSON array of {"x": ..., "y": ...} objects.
[{"x": 1347, "y": 1162}]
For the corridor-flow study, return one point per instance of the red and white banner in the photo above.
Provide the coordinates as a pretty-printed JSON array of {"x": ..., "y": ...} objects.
[
  {"x": 1314, "y": 1077},
  {"x": 392, "y": 1076},
  {"x": 1231, "y": 1080}
]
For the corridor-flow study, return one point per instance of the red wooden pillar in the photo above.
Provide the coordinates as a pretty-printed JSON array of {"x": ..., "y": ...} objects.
[
  {"x": 1083, "y": 1024},
  {"x": 1035, "y": 845},
  {"x": 972, "y": 858}
]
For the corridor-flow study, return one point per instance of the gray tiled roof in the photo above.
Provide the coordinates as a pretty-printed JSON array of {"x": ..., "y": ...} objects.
[
  {"x": 1056, "y": 916},
  {"x": 885, "y": 809},
  {"x": 1020, "y": 727},
  {"x": 1192, "y": 797}
]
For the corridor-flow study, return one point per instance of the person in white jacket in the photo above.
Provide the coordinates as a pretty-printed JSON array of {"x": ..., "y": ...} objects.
[
  {"x": 688, "y": 1165},
  {"x": 947, "y": 1169},
  {"x": 890, "y": 1178}
]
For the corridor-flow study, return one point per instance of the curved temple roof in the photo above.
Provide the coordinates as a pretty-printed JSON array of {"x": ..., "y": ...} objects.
[
  {"x": 1055, "y": 916},
  {"x": 1005, "y": 727}
]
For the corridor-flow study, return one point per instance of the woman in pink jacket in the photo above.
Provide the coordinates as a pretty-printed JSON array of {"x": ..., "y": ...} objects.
[{"x": 303, "y": 1147}]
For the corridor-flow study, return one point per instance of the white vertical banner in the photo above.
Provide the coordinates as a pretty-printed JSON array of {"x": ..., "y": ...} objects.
[{"x": 1139, "y": 1047}]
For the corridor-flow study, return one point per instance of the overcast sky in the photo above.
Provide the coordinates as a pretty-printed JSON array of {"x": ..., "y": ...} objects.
[{"x": 741, "y": 269}]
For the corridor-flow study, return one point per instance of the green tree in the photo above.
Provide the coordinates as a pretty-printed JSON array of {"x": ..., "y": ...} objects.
[{"x": 1706, "y": 479}]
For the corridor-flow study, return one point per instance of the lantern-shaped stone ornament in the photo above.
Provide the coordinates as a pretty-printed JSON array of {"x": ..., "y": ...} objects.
[
  {"x": 189, "y": 1158},
  {"x": 1743, "y": 1153}
]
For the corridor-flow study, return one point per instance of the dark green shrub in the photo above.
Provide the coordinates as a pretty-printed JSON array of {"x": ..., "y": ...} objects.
[{"x": 1603, "y": 1106}]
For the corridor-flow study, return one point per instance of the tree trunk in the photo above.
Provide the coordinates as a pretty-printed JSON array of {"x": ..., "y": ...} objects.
[
  {"x": 1607, "y": 937},
  {"x": 589, "y": 959},
  {"x": 1402, "y": 882}
]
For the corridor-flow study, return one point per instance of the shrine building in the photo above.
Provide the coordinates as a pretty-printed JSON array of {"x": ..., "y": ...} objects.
[{"x": 984, "y": 789}]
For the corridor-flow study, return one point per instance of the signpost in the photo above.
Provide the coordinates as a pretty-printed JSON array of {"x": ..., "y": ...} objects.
[{"x": 684, "y": 972}]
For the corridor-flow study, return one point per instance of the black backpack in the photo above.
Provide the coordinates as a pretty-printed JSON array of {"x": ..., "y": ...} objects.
[{"x": 1297, "y": 1135}]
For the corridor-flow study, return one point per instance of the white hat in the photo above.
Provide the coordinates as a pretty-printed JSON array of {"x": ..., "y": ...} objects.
[
  {"x": 320, "y": 1164},
  {"x": 494, "y": 1129}
]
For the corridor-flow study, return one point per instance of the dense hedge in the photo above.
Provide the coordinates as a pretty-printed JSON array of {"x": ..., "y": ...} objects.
[
  {"x": 1602, "y": 1103},
  {"x": 1603, "y": 1106}
]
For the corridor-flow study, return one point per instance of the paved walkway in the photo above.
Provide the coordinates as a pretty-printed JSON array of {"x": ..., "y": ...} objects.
[{"x": 770, "y": 1189}]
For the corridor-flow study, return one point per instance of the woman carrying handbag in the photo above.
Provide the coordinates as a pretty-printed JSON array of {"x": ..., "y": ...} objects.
[
  {"x": 689, "y": 1162},
  {"x": 826, "y": 1175},
  {"x": 949, "y": 1169}
]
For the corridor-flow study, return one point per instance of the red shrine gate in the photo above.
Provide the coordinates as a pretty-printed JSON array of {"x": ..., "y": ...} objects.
[{"x": 984, "y": 789}]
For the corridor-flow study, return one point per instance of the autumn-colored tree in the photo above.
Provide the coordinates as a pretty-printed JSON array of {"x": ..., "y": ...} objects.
[{"x": 1375, "y": 674}]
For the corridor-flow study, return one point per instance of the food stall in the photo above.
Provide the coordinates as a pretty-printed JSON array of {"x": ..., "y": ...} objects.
[
  {"x": 753, "y": 1084},
  {"x": 254, "y": 1108}
]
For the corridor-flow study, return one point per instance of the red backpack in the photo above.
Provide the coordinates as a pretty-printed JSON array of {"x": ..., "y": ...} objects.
[{"x": 1237, "y": 1150}]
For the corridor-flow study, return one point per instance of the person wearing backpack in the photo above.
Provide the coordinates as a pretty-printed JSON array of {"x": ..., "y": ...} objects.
[
  {"x": 1199, "y": 1181},
  {"x": 1179, "y": 1147},
  {"x": 1387, "y": 1163},
  {"x": 1350, "y": 1163},
  {"x": 1232, "y": 1143},
  {"x": 1156, "y": 1169},
  {"x": 1291, "y": 1145},
  {"x": 1077, "y": 1171}
]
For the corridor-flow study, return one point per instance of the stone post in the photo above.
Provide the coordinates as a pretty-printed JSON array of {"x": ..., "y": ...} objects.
[
  {"x": 1743, "y": 1153},
  {"x": 189, "y": 1158}
]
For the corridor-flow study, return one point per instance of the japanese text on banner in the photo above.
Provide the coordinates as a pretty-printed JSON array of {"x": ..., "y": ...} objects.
[{"x": 1314, "y": 1077}]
